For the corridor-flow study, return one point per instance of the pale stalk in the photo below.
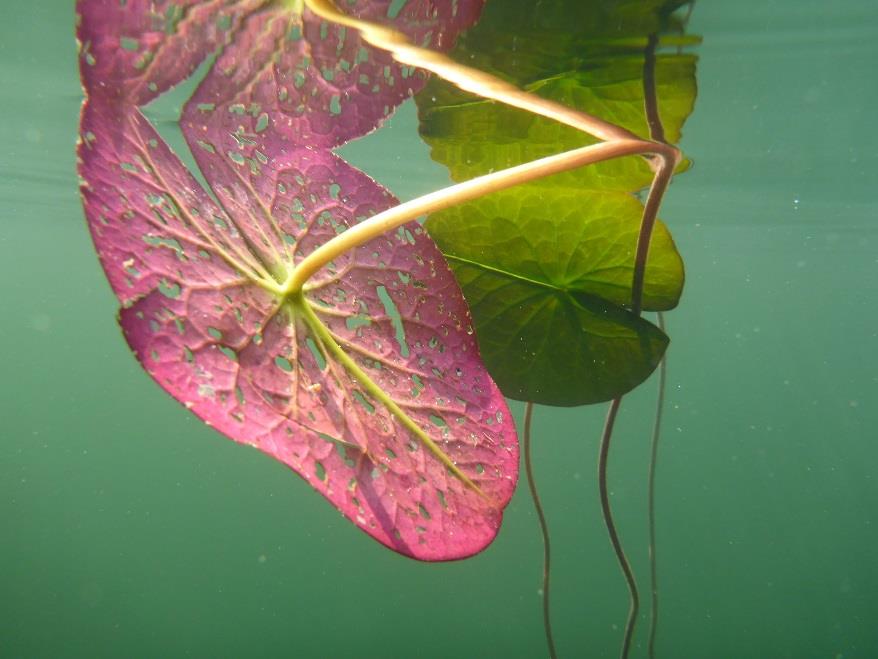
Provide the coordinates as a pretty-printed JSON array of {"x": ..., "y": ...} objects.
[
  {"x": 467, "y": 78},
  {"x": 491, "y": 87},
  {"x": 467, "y": 191}
]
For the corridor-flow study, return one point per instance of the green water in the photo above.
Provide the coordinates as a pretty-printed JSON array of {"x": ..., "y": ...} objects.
[{"x": 129, "y": 529}]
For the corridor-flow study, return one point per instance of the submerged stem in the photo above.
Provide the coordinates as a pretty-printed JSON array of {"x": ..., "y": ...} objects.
[
  {"x": 611, "y": 527},
  {"x": 544, "y": 527},
  {"x": 653, "y": 456},
  {"x": 657, "y": 132},
  {"x": 468, "y": 190}
]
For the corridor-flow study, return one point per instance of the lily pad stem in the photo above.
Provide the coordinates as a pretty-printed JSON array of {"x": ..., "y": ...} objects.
[
  {"x": 634, "y": 605},
  {"x": 544, "y": 527}
]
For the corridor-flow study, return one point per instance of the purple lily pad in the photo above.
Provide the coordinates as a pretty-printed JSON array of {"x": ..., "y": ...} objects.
[{"x": 368, "y": 383}]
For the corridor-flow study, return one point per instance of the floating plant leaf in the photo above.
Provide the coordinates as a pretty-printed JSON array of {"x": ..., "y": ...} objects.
[
  {"x": 367, "y": 381},
  {"x": 317, "y": 82},
  {"x": 564, "y": 244},
  {"x": 133, "y": 51},
  {"x": 552, "y": 329}
]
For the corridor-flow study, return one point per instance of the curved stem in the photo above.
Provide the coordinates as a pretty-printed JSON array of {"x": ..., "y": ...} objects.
[
  {"x": 467, "y": 78},
  {"x": 657, "y": 132},
  {"x": 660, "y": 183},
  {"x": 544, "y": 527},
  {"x": 466, "y": 191},
  {"x": 491, "y": 87},
  {"x": 611, "y": 527},
  {"x": 653, "y": 455},
  {"x": 650, "y": 93}
]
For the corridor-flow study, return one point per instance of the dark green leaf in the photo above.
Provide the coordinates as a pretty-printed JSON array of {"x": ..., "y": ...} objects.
[
  {"x": 544, "y": 271},
  {"x": 547, "y": 268}
]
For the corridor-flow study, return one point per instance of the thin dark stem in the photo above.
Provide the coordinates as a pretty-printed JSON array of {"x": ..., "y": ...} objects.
[
  {"x": 664, "y": 172},
  {"x": 650, "y": 212},
  {"x": 650, "y": 95},
  {"x": 621, "y": 558},
  {"x": 653, "y": 457},
  {"x": 544, "y": 527},
  {"x": 657, "y": 133},
  {"x": 611, "y": 527}
]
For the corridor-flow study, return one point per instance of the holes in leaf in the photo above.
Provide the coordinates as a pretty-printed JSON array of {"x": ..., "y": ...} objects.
[
  {"x": 405, "y": 236},
  {"x": 214, "y": 333},
  {"x": 317, "y": 354},
  {"x": 361, "y": 399},
  {"x": 480, "y": 468},
  {"x": 438, "y": 421},
  {"x": 343, "y": 454},
  {"x": 228, "y": 352},
  {"x": 283, "y": 364},
  {"x": 441, "y": 496},
  {"x": 418, "y": 386},
  {"x": 353, "y": 322},
  {"x": 320, "y": 471},
  {"x": 169, "y": 289},
  {"x": 389, "y": 452},
  {"x": 424, "y": 512},
  {"x": 395, "y": 319}
]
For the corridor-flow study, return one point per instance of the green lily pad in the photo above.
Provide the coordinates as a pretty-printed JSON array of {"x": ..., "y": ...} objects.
[
  {"x": 547, "y": 268},
  {"x": 546, "y": 272}
]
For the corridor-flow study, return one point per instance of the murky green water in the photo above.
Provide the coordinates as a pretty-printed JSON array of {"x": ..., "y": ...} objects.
[{"x": 129, "y": 529}]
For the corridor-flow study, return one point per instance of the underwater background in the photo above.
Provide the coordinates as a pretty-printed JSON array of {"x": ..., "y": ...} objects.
[{"x": 130, "y": 529}]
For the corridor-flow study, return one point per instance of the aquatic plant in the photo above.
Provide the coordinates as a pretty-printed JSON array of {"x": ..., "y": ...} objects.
[
  {"x": 295, "y": 306},
  {"x": 356, "y": 367},
  {"x": 550, "y": 269}
]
